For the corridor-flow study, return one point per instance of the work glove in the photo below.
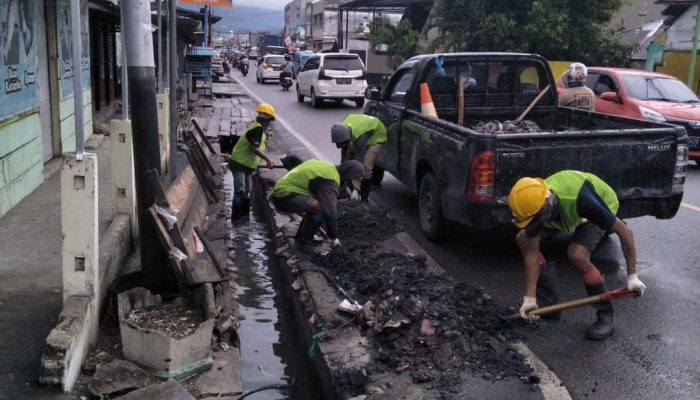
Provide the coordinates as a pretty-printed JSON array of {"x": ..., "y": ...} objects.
[
  {"x": 270, "y": 165},
  {"x": 529, "y": 304},
  {"x": 633, "y": 283},
  {"x": 355, "y": 195},
  {"x": 335, "y": 243}
]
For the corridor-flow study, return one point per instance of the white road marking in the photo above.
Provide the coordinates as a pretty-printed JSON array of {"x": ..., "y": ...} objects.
[
  {"x": 691, "y": 207},
  {"x": 550, "y": 385}
]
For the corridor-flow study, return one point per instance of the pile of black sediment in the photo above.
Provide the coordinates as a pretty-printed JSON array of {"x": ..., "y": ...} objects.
[
  {"x": 419, "y": 323},
  {"x": 495, "y": 127},
  {"x": 363, "y": 222}
]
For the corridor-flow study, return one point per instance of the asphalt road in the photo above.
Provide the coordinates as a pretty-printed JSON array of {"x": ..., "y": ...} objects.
[{"x": 654, "y": 352}]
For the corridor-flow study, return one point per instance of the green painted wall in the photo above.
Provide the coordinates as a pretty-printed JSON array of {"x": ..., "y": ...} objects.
[{"x": 21, "y": 166}]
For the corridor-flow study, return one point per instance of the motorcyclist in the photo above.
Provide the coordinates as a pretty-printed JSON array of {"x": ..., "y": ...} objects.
[
  {"x": 287, "y": 68},
  {"x": 576, "y": 94},
  {"x": 244, "y": 63}
]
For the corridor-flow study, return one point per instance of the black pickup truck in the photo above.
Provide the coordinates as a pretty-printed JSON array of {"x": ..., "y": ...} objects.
[{"x": 463, "y": 168}]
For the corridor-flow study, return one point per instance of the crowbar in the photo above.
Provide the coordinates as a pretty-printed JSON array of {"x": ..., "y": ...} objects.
[{"x": 619, "y": 293}]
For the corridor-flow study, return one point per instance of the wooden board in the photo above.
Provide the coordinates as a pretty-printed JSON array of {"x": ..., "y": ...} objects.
[{"x": 199, "y": 271}]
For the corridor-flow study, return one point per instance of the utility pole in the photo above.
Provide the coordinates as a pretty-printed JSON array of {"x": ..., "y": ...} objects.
[
  {"x": 172, "y": 77},
  {"x": 144, "y": 118},
  {"x": 694, "y": 51},
  {"x": 77, "y": 47}
]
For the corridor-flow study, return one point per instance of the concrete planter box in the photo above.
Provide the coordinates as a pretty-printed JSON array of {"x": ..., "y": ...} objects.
[{"x": 161, "y": 355}]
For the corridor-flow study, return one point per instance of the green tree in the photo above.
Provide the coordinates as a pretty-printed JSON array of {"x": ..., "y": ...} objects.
[
  {"x": 557, "y": 29},
  {"x": 401, "y": 39}
]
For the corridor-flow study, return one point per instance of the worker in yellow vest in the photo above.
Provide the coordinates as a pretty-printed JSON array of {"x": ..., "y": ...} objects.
[
  {"x": 245, "y": 158},
  {"x": 359, "y": 137},
  {"x": 578, "y": 202},
  {"x": 311, "y": 189}
]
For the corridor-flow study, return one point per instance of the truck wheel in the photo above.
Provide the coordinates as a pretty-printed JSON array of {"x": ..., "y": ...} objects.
[
  {"x": 300, "y": 97},
  {"x": 377, "y": 175},
  {"x": 431, "y": 219}
]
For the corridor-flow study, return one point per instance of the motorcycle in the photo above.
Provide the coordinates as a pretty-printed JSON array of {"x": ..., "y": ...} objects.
[
  {"x": 285, "y": 81},
  {"x": 244, "y": 69}
]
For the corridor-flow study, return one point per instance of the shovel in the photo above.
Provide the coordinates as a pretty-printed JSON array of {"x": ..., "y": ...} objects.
[
  {"x": 534, "y": 102},
  {"x": 619, "y": 293}
]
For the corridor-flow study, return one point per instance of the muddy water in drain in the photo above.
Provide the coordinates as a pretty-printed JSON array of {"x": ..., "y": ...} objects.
[{"x": 271, "y": 350}]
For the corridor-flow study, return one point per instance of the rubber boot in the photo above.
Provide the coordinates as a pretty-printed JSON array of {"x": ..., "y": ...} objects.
[
  {"x": 308, "y": 227},
  {"x": 603, "y": 326},
  {"x": 236, "y": 207},
  {"x": 245, "y": 206},
  {"x": 365, "y": 186}
]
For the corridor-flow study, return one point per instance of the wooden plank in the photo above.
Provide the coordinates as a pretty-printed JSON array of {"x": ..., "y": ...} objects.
[
  {"x": 178, "y": 194},
  {"x": 210, "y": 251},
  {"x": 195, "y": 218},
  {"x": 199, "y": 271},
  {"x": 196, "y": 149},
  {"x": 202, "y": 138}
]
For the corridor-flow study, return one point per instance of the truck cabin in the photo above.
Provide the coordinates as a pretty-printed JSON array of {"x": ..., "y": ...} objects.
[{"x": 494, "y": 86}]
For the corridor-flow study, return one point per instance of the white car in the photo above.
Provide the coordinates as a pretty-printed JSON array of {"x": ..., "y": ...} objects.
[
  {"x": 269, "y": 67},
  {"x": 335, "y": 76}
]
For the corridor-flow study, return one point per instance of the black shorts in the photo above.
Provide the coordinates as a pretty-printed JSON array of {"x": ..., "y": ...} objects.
[{"x": 588, "y": 235}]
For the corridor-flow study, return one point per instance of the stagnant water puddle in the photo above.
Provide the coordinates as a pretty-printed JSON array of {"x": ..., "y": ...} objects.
[{"x": 272, "y": 351}]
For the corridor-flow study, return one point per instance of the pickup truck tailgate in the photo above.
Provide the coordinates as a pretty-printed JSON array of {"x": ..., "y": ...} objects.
[{"x": 639, "y": 164}]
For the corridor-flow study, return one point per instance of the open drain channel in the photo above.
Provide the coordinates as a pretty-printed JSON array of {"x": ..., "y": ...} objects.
[{"x": 272, "y": 351}]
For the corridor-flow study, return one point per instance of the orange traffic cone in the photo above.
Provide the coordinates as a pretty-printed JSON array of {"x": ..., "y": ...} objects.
[{"x": 426, "y": 101}]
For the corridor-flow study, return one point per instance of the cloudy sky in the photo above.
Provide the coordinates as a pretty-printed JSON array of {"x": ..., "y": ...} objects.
[{"x": 278, "y": 4}]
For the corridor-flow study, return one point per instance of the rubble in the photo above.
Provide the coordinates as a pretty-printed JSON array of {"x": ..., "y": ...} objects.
[
  {"x": 116, "y": 378},
  {"x": 495, "y": 127},
  {"x": 418, "y": 323},
  {"x": 174, "y": 321}
]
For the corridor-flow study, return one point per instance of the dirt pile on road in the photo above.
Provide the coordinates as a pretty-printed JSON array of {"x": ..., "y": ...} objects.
[{"x": 419, "y": 323}]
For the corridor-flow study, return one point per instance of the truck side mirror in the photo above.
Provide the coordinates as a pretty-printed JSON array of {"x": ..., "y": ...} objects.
[
  {"x": 373, "y": 93},
  {"x": 610, "y": 96}
]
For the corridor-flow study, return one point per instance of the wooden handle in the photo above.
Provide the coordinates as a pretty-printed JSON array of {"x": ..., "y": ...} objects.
[
  {"x": 559, "y": 307},
  {"x": 534, "y": 102}
]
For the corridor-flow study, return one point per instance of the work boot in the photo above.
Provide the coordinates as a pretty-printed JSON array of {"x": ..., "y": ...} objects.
[
  {"x": 365, "y": 186},
  {"x": 245, "y": 206},
  {"x": 236, "y": 211},
  {"x": 308, "y": 227},
  {"x": 603, "y": 326}
]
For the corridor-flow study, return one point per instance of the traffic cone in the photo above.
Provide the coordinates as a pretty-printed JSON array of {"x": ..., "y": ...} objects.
[{"x": 426, "y": 101}]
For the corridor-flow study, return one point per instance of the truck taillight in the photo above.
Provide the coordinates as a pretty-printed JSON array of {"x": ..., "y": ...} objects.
[
  {"x": 681, "y": 168},
  {"x": 322, "y": 75},
  {"x": 481, "y": 177}
]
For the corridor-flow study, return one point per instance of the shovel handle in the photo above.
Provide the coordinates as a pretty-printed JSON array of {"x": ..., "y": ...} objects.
[
  {"x": 619, "y": 293},
  {"x": 544, "y": 91}
]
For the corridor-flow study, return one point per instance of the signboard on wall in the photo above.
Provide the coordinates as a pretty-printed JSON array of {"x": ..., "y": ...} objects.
[
  {"x": 65, "y": 47},
  {"x": 224, "y": 3},
  {"x": 18, "y": 62}
]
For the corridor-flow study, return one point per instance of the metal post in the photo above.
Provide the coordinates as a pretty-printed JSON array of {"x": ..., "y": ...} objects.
[
  {"x": 125, "y": 80},
  {"x": 172, "y": 76},
  {"x": 694, "y": 51},
  {"x": 166, "y": 71},
  {"x": 159, "y": 36},
  {"x": 77, "y": 44},
  {"x": 136, "y": 27},
  {"x": 205, "y": 25}
]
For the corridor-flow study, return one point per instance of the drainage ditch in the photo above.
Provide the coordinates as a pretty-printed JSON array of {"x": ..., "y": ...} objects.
[{"x": 272, "y": 352}]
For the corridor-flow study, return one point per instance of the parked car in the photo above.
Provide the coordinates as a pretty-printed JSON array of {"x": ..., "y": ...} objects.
[
  {"x": 646, "y": 95},
  {"x": 335, "y": 76},
  {"x": 269, "y": 67},
  {"x": 463, "y": 170},
  {"x": 298, "y": 60}
]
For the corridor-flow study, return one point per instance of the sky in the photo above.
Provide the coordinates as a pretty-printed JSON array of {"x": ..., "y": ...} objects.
[{"x": 278, "y": 4}]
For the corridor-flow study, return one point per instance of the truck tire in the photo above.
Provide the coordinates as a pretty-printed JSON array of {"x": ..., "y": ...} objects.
[
  {"x": 377, "y": 175},
  {"x": 429, "y": 210}
]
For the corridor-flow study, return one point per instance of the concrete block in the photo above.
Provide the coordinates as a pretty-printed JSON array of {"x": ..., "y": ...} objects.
[
  {"x": 162, "y": 356},
  {"x": 224, "y": 379},
  {"x": 117, "y": 377},
  {"x": 67, "y": 344},
  {"x": 170, "y": 390},
  {"x": 115, "y": 248},
  {"x": 123, "y": 189},
  {"x": 79, "y": 224}
]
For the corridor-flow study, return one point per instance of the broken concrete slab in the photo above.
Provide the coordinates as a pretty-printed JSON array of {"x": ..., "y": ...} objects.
[
  {"x": 169, "y": 390},
  {"x": 116, "y": 378},
  {"x": 224, "y": 379}
]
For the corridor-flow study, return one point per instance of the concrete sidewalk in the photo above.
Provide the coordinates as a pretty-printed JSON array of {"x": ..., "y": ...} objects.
[{"x": 31, "y": 276}]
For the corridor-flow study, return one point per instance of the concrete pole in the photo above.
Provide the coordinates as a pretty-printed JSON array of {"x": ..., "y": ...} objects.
[
  {"x": 159, "y": 76},
  {"x": 694, "y": 51},
  {"x": 77, "y": 44},
  {"x": 136, "y": 27},
  {"x": 172, "y": 76},
  {"x": 166, "y": 71}
]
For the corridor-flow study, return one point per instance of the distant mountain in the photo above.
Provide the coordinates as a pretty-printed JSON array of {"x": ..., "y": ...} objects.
[{"x": 242, "y": 18}]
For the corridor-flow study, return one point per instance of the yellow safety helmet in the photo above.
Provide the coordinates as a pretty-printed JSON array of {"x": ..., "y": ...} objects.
[
  {"x": 526, "y": 199},
  {"x": 265, "y": 108}
]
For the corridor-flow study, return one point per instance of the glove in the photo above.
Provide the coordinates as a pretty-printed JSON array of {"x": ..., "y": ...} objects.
[
  {"x": 355, "y": 195},
  {"x": 335, "y": 243},
  {"x": 529, "y": 304},
  {"x": 633, "y": 283},
  {"x": 270, "y": 165}
]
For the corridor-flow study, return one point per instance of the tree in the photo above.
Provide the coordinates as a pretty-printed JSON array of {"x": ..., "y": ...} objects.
[
  {"x": 557, "y": 29},
  {"x": 401, "y": 39}
]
